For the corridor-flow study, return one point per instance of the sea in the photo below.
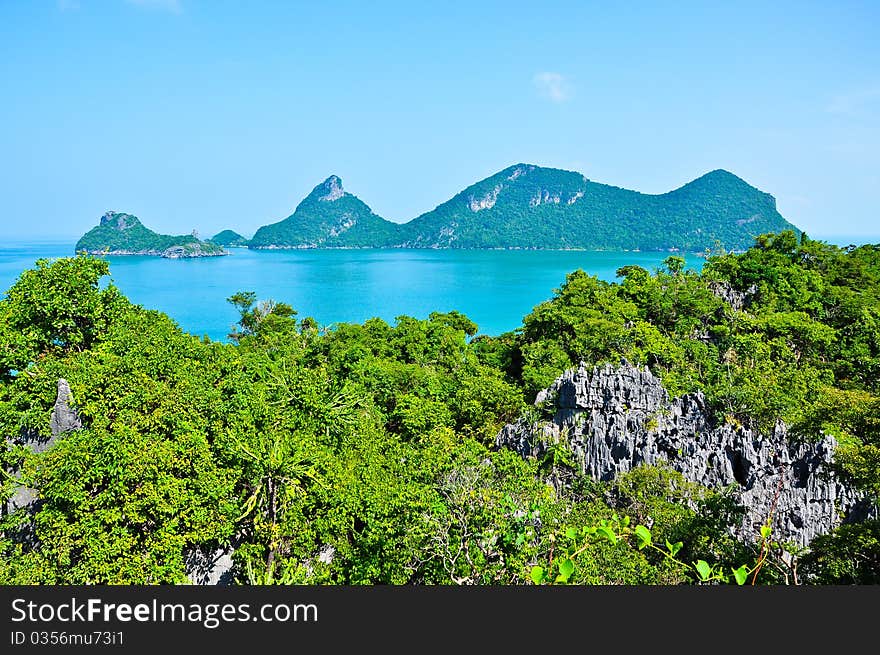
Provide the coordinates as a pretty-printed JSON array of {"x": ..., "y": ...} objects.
[{"x": 494, "y": 288}]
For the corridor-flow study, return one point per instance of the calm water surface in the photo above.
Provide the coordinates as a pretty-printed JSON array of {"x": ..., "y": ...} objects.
[{"x": 495, "y": 288}]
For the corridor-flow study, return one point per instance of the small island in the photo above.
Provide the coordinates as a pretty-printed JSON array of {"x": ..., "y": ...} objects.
[
  {"x": 229, "y": 239},
  {"x": 119, "y": 233}
]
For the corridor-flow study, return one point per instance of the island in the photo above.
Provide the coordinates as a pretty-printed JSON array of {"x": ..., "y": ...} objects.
[
  {"x": 523, "y": 207},
  {"x": 531, "y": 207},
  {"x": 119, "y": 233},
  {"x": 229, "y": 239}
]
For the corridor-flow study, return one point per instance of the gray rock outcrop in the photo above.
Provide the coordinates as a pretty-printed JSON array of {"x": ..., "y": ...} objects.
[
  {"x": 615, "y": 418},
  {"x": 738, "y": 300},
  {"x": 209, "y": 568},
  {"x": 332, "y": 189},
  {"x": 191, "y": 251},
  {"x": 64, "y": 419},
  {"x": 64, "y": 416}
]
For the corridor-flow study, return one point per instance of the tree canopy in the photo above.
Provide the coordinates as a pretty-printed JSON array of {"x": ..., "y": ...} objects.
[{"x": 365, "y": 454}]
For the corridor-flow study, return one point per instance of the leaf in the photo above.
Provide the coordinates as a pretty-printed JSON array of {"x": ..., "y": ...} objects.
[
  {"x": 571, "y": 533},
  {"x": 608, "y": 533},
  {"x": 566, "y": 568},
  {"x": 703, "y": 569},
  {"x": 537, "y": 574},
  {"x": 765, "y": 531},
  {"x": 741, "y": 574},
  {"x": 643, "y": 535},
  {"x": 674, "y": 548}
]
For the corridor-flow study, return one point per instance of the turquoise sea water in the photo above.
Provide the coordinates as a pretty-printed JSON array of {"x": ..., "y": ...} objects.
[{"x": 494, "y": 288}]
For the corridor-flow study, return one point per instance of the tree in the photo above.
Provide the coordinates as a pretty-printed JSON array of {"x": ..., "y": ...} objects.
[
  {"x": 54, "y": 308},
  {"x": 256, "y": 317}
]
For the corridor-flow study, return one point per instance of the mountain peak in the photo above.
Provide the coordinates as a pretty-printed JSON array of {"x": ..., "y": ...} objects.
[
  {"x": 517, "y": 170},
  {"x": 529, "y": 206},
  {"x": 330, "y": 189},
  {"x": 720, "y": 175},
  {"x": 119, "y": 220}
]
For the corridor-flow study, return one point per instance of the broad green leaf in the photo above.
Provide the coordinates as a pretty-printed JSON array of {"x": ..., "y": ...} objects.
[
  {"x": 607, "y": 533},
  {"x": 765, "y": 531},
  {"x": 643, "y": 535},
  {"x": 674, "y": 548},
  {"x": 566, "y": 568},
  {"x": 741, "y": 574},
  {"x": 703, "y": 569},
  {"x": 571, "y": 533},
  {"x": 537, "y": 574}
]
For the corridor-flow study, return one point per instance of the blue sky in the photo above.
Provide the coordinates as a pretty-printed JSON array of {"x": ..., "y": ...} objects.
[{"x": 208, "y": 114}]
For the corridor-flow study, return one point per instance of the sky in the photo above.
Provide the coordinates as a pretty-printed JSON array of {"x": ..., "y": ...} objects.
[{"x": 214, "y": 114}]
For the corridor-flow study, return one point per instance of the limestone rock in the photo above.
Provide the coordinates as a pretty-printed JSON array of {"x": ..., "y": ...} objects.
[
  {"x": 615, "y": 418},
  {"x": 209, "y": 568},
  {"x": 332, "y": 189},
  {"x": 738, "y": 300},
  {"x": 64, "y": 416},
  {"x": 64, "y": 419}
]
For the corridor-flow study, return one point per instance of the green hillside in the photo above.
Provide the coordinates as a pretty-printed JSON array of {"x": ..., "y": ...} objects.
[
  {"x": 531, "y": 207},
  {"x": 229, "y": 239},
  {"x": 328, "y": 217},
  {"x": 123, "y": 234},
  {"x": 369, "y": 453}
]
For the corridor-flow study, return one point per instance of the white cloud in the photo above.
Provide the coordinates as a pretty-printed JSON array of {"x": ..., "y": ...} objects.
[
  {"x": 552, "y": 86},
  {"x": 166, "y": 5}
]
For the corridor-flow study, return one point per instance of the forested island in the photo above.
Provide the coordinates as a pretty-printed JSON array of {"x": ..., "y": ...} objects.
[
  {"x": 119, "y": 233},
  {"x": 673, "y": 427},
  {"x": 531, "y": 207},
  {"x": 229, "y": 239},
  {"x": 521, "y": 207}
]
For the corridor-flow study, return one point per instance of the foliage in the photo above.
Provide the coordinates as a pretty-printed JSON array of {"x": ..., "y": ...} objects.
[
  {"x": 532, "y": 207},
  {"x": 618, "y": 532},
  {"x": 229, "y": 239},
  {"x": 55, "y": 308},
  {"x": 849, "y": 555},
  {"x": 365, "y": 454},
  {"x": 125, "y": 234},
  {"x": 324, "y": 220}
]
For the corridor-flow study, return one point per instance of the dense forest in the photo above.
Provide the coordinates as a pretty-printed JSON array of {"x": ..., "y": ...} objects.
[
  {"x": 328, "y": 217},
  {"x": 532, "y": 207},
  {"x": 124, "y": 234},
  {"x": 229, "y": 239},
  {"x": 526, "y": 206},
  {"x": 366, "y": 453}
]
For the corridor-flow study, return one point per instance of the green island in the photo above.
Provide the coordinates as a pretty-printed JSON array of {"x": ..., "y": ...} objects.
[
  {"x": 531, "y": 207},
  {"x": 229, "y": 239},
  {"x": 422, "y": 453},
  {"x": 123, "y": 234}
]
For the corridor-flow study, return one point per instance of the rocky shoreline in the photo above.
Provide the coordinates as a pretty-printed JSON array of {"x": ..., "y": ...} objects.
[{"x": 175, "y": 252}]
